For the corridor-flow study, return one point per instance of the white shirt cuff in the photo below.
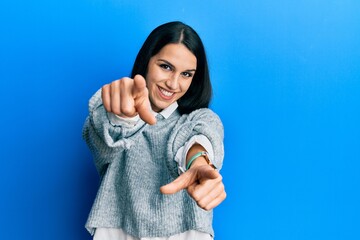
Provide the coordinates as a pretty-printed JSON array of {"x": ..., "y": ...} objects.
[{"x": 116, "y": 120}]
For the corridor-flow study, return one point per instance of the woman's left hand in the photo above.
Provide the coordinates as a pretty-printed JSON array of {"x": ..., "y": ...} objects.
[{"x": 203, "y": 183}]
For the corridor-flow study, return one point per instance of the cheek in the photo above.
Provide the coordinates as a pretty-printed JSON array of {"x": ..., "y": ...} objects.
[
  {"x": 150, "y": 79},
  {"x": 151, "y": 86},
  {"x": 153, "y": 77},
  {"x": 186, "y": 85}
]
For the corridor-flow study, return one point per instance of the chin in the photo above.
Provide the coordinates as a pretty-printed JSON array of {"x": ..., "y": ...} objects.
[{"x": 161, "y": 106}]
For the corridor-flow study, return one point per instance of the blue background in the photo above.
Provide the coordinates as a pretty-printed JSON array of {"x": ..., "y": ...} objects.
[{"x": 286, "y": 79}]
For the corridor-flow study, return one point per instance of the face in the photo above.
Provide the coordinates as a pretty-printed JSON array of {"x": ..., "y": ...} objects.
[{"x": 170, "y": 73}]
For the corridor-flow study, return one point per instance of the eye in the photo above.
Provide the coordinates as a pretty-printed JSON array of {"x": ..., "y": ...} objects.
[
  {"x": 165, "y": 66},
  {"x": 187, "y": 74}
]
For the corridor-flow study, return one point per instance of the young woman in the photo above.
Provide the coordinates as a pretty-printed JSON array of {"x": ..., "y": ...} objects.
[{"x": 156, "y": 145}]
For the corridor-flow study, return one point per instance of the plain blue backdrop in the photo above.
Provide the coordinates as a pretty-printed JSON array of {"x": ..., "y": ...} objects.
[{"x": 286, "y": 78}]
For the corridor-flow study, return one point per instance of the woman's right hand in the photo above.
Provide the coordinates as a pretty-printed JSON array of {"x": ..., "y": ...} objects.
[{"x": 127, "y": 98}]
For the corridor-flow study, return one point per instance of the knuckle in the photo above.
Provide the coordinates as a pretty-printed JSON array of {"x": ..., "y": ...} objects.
[
  {"x": 116, "y": 111},
  {"x": 105, "y": 87},
  {"x": 125, "y": 81},
  {"x": 126, "y": 110},
  {"x": 224, "y": 195},
  {"x": 207, "y": 208},
  {"x": 222, "y": 187},
  {"x": 202, "y": 205},
  {"x": 122, "y": 82},
  {"x": 114, "y": 83},
  {"x": 196, "y": 197}
]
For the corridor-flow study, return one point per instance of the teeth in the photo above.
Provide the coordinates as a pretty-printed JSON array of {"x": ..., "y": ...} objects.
[{"x": 166, "y": 93}]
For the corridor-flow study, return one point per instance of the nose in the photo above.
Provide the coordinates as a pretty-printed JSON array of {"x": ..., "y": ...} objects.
[{"x": 173, "y": 81}]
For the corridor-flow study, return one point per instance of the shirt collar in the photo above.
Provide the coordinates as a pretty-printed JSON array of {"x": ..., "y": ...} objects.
[{"x": 166, "y": 112}]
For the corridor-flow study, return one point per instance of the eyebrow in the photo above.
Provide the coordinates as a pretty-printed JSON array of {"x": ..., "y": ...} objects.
[{"x": 167, "y": 62}]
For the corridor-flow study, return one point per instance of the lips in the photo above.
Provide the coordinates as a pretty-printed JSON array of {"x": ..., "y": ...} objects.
[{"x": 165, "y": 93}]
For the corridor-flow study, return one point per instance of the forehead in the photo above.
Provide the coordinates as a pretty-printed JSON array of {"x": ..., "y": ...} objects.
[{"x": 178, "y": 55}]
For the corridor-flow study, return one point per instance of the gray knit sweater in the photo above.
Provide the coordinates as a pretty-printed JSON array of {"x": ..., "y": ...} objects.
[{"x": 134, "y": 162}]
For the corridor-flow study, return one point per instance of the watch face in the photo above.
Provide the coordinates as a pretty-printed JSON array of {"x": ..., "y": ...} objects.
[{"x": 206, "y": 155}]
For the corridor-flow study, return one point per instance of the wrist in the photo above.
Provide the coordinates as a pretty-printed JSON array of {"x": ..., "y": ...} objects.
[
  {"x": 196, "y": 156},
  {"x": 200, "y": 161}
]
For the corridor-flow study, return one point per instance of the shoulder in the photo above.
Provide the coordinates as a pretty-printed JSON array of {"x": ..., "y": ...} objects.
[
  {"x": 203, "y": 114},
  {"x": 199, "y": 121}
]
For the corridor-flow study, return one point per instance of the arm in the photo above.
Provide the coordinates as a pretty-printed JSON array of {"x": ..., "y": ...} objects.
[
  {"x": 107, "y": 135},
  {"x": 203, "y": 183}
]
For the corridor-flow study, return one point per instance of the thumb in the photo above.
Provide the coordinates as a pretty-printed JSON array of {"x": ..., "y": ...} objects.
[
  {"x": 182, "y": 182},
  {"x": 139, "y": 85},
  {"x": 207, "y": 172}
]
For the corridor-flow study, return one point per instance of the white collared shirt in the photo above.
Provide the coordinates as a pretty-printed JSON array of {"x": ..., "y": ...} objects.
[{"x": 119, "y": 234}]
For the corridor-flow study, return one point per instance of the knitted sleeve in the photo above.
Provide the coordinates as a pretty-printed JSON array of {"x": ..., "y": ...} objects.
[
  {"x": 105, "y": 141},
  {"x": 204, "y": 122}
]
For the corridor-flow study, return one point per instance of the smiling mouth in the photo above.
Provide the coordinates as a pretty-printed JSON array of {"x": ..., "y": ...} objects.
[{"x": 165, "y": 94}]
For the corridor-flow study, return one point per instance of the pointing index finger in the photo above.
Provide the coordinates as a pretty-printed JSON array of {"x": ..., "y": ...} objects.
[
  {"x": 142, "y": 102},
  {"x": 139, "y": 85},
  {"x": 182, "y": 182}
]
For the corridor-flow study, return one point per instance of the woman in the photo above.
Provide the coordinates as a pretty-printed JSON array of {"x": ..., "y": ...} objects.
[{"x": 156, "y": 145}]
